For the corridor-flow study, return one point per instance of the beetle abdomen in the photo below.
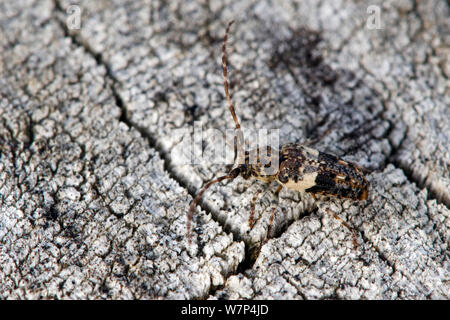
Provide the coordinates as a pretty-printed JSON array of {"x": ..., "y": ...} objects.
[{"x": 306, "y": 169}]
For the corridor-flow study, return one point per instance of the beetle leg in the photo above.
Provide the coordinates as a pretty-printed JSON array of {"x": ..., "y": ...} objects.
[
  {"x": 251, "y": 219},
  {"x": 272, "y": 216},
  {"x": 345, "y": 224}
]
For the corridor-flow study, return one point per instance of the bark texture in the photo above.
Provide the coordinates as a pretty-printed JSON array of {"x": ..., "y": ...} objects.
[{"x": 94, "y": 191}]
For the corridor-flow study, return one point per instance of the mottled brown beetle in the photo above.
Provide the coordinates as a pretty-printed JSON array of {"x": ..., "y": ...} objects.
[{"x": 300, "y": 168}]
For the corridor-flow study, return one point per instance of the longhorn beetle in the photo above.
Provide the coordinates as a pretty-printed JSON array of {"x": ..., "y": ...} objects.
[{"x": 300, "y": 168}]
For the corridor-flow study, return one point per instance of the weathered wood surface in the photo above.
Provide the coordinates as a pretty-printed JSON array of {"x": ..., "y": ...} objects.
[{"x": 93, "y": 197}]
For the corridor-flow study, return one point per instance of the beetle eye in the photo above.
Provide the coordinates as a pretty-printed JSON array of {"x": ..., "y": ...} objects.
[{"x": 283, "y": 178}]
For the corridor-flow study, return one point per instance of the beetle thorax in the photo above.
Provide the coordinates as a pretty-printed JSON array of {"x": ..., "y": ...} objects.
[{"x": 261, "y": 163}]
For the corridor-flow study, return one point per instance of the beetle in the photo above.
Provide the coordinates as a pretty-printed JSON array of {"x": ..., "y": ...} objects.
[{"x": 299, "y": 168}]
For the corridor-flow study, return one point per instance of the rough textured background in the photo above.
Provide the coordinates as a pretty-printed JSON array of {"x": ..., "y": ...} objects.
[{"x": 93, "y": 199}]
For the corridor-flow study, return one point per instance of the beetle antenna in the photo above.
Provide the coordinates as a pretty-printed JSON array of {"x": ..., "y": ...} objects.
[
  {"x": 232, "y": 175},
  {"x": 239, "y": 137}
]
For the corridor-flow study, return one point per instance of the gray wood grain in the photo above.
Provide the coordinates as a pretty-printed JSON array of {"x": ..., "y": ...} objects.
[{"x": 93, "y": 190}]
